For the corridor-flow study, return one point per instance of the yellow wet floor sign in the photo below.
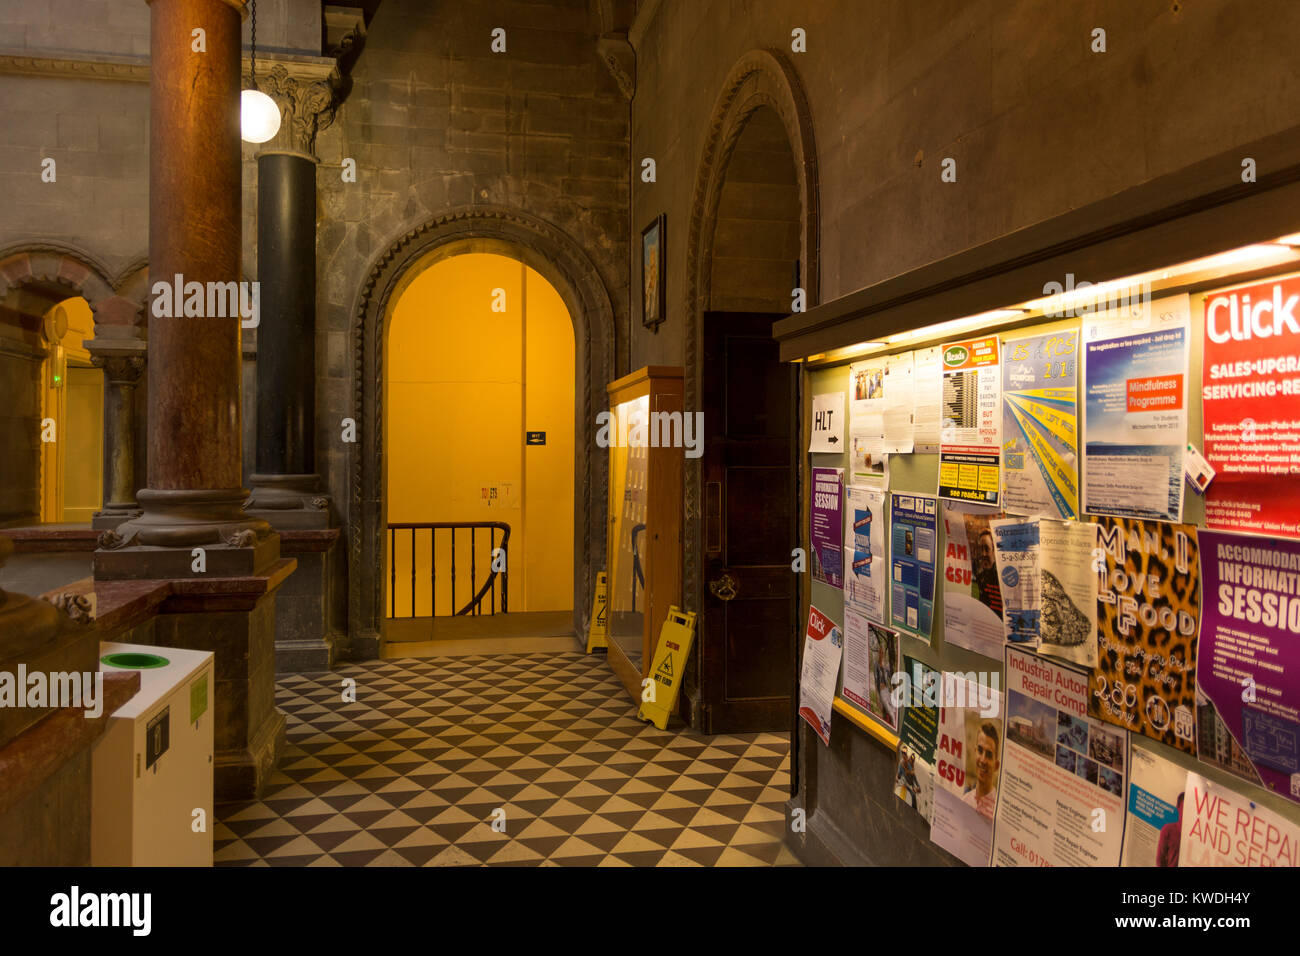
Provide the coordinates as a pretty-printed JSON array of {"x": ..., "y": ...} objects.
[
  {"x": 660, "y": 689},
  {"x": 597, "y": 633}
]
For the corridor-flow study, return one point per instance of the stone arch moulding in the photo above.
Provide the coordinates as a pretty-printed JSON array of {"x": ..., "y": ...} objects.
[
  {"x": 563, "y": 263},
  {"x": 31, "y": 271},
  {"x": 759, "y": 78}
]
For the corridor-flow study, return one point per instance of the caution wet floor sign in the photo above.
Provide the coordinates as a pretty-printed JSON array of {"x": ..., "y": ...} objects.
[
  {"x": 598, "y": 632},
  {"x": 659, "y": 690}
]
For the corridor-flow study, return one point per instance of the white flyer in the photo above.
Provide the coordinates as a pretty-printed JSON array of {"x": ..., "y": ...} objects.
[
  {"x": 927, "y": 381},
  {"x": 866, "y": 570},
  {"x": 1223, "y": 828},
  {"x": 1015, "y": 542},
  {"x": 827, "y": 432},
  {"x": 1067, "y": 623},
  {"x": 900, "y": 402},
  {"x": 823, "y": 644},
  {"x": 1153, "y": 828}
]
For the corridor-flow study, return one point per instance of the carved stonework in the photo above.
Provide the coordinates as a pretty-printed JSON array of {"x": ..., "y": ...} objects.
[
  {"x": 110, "y": 540},
  {"x": 120, "y": 369},
  {"x": 306, "y": 106},
  {"x": 75, "y": 606},
  {"x": 241, "y": 539},
  {"x": 620, "y": 59}
]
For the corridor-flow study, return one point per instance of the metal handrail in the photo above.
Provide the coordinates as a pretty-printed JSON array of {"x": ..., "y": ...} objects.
[{"x": 474, "y": 605}]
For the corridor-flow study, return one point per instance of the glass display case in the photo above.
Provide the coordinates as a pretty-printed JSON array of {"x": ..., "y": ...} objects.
[{"x": 645, "y": 515}]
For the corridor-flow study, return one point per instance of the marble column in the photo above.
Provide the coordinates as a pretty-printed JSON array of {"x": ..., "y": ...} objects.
[
  {"x": 193, "y": 498},
  {"x": 122, "y": 367}
]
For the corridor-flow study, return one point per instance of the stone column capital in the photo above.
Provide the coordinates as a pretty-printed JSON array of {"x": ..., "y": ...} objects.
[
  {"x": 120, "y": 368},
  {"x": 307, "y": 106}
]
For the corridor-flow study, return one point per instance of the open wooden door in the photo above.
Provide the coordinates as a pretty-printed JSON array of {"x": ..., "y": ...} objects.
[{"x": 749, "y": 593}]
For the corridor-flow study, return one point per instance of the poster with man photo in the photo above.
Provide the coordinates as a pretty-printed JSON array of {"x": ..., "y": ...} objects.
[
  {"x": 967, "y": 764},
  {"x": 972, "y": 597}
]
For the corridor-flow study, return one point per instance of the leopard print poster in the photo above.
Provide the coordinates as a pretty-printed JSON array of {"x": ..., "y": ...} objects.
[{"x": 1148, "y": 616}]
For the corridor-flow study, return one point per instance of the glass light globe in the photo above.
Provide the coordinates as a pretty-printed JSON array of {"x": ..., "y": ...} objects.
[{"x": 259, "y": 117}]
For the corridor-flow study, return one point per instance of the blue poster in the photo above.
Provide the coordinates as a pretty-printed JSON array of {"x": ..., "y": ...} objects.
[
  {"x": 1135, "y": 416},
  {"x": 913, "y": 535}
]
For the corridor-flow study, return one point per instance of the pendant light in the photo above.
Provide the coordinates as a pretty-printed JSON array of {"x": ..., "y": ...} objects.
[{"x": 259, "y": 117}]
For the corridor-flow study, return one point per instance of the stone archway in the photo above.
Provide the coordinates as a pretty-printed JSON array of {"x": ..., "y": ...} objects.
[
  {"x": 567, "y": 267},
  {"x": 761, "y": 78},
  {"x": 35, "y": 276}
]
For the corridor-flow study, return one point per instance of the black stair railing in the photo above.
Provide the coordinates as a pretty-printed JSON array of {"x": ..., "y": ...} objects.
[{"x": 479, "y": 593}]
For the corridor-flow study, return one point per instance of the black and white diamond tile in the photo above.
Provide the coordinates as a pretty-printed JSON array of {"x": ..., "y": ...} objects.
[{"x": 413, "y": 772}]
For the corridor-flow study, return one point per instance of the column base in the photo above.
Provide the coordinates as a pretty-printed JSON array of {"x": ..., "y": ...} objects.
[
  {"x": 113, "y": 517},
  {"x": 243, "y": 774},
  {"x": 289, "y": 502},
  {"x": 173, "y": 523}
]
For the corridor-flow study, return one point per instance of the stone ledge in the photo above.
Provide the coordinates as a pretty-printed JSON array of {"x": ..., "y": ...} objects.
[
  {"x": 40, "y": 540},
  {"x": 302, "y": 540},
  {"x": 34, "y": 756}
]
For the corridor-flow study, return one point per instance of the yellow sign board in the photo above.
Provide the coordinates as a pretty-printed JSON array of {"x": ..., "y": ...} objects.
[
  {"x": 660, "y": 689},
  {"x": 598, "y": 632}
]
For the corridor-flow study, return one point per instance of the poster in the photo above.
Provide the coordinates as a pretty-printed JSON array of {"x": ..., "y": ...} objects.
[
  {"x": 918, "y": 730},
  {"x": 1215, "y": 744},
  {"x": 826, "y": 527},
  {"x": 827, "y": 432},
  {"x": 1040, "y": 442},
  {"x": 1015, "y": 549},
  {"x": 913, "y": 526},
  {"x": 1135, "y": 412},
  {"x": 1067, "y": 622},
  {"x": 857, "y": 676},
  {"x": 1153, "y": 827},
  {"x": 865, "y": 574},
  {"x": 1223, "y": 828},
  {"x": 969, "y": 452},
  {"x": 1248, "y": 656},
  {"x": 900, "y": 403},
  {"x": 1250, "y": 398},
  {"x": 972, "y": 597},
  {"x": 1148, "y": 612},
  {"x": 1062, "y": 788},
  {"x": 966, "y": 769},
  {"x": 822, "y": 646},
  {"x": 927, "y": 381}
]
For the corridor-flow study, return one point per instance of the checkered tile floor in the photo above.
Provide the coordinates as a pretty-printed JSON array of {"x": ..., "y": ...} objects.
[{"x": 412, "y": 773}]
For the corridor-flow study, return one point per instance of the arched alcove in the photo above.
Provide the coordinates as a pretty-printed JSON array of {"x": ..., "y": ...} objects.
[{"x": 553, "y": 254}]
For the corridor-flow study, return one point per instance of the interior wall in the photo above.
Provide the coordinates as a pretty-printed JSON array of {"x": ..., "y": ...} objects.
[
  {"x": 1037, "y": 123},
  {"x": 464, "y": 383}
]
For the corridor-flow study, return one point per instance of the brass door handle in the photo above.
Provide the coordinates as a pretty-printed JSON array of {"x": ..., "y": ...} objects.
[{"x": 724, "y": 588}]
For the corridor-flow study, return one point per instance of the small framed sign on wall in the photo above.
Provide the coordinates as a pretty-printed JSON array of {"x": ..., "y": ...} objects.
[{"x": 653, "y": 284}]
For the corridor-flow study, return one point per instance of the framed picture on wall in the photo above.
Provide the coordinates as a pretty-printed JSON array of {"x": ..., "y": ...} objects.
[{"x": 653, "y": 285}]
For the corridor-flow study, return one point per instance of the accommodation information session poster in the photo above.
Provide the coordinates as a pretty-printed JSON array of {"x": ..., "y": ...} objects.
[
  {"x": 826, "y": 525},
  {"x": 1135, "y": 411},
  {"x": 969, "y": 451},
  {"x": 1148, "y": 614},
  {"x": 1248, "y": 661},
  {"x": 913, "y": 526},
  {"x": 1251, "y": 407},
  {"x": 1039, "y": 425},
  {"x": 1061, "y": 799},
  {"x": 866, "y": 575}
]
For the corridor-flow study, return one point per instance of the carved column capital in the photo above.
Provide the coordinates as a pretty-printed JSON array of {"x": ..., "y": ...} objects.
[
  {"x": 306, "y": 107},
  {"x": 620, "y": 59},
  {"x": 119, "y": 369}
]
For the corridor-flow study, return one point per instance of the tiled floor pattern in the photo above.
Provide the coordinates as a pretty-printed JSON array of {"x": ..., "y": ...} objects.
[{"x": 412, "y": 772}]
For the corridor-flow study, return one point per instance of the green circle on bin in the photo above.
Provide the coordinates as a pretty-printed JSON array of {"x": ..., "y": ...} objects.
[{"x": 135, "y": 661}]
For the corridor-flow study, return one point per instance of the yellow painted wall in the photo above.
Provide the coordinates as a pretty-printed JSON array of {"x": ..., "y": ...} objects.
[{"x": 463, "y": 384}]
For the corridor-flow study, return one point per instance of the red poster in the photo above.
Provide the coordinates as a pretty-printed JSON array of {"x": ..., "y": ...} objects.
[{"x": 1251, "y": 399}]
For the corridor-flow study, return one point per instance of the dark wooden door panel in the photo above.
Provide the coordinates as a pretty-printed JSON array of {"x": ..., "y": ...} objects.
[{"x": 749, "y": 591}]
